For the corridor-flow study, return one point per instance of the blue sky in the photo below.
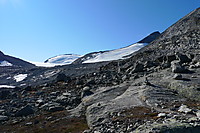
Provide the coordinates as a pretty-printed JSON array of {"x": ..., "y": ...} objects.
[{"x": 35, "y": 30}]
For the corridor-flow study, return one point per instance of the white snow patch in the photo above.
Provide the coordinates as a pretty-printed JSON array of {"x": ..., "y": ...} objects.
[
  {"x": 6, "y": 86},
  {"x": 63, "y": 59},
  {"x": 5, "y": 63},
  {"x": 20, "y": 77},
  {"x": 116, "y": 54},
  {"x": 8, "y": 78}
]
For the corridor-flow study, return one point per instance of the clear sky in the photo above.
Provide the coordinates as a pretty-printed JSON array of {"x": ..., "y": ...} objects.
[{"x": 35, "y": 30}]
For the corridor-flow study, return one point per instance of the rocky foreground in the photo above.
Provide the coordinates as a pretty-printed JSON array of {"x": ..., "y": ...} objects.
[{"x": 156, "y": 90}]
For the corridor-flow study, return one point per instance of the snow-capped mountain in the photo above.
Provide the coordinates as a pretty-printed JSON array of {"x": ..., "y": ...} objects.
[
  {"x": 116, "y": 54},
  {"x": 113, "y": 54},
  {"x": 100, "y": 56},
  {"x": 6, "y": 60},
  {"x": 63, "y": 59}
]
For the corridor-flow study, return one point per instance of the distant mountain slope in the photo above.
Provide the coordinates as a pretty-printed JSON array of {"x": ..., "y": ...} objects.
[
  {"x": 63, "y": 59},
  {"x": 113, "y": 54},
  {"x": 6, "y": 60},
  {"x": 116, "y": 54}
]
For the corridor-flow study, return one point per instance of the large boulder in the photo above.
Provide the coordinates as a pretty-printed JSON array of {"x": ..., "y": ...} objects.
[
  {"x": 25, "y": 111},
  {"x": 4, "y": 94},
  {"x": 176, "y": 67},
  {"x": 86, "y": 92},
  {"x": 62, "y": 77},
  {"x": 138, "y": 67},
  {"x": 56, "y": 108},
  {"x": 3, "y": 118},
  {"x": 183, "y": 58}
]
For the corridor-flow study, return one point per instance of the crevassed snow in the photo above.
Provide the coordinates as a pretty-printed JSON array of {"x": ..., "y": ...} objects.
[
  {"x": 6, "y": 86},
  {"x": 5, "y": 63},
  {"x": 20, "y": 77},
  {"x": 63, "y": 59},
  {"x": 116, "y": 54}
]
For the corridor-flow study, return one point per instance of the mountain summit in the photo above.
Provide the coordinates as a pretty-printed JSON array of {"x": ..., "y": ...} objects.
[{"x": 150, "y": 37}]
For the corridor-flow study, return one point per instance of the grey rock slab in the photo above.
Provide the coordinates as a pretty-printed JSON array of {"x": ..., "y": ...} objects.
[
  {"x": 98, "y": 112},
  {"x": 3, "y": 118},
  {"x": 177, "y": 77},
  {"x": 55, "y": 108},
  {"x": 198, "y": 114},
  {"x": 104, "y": 94},
  {"x": 186, "y": 89},
  {"x": 176, "y": 67},
  {"x": 184, "y": 109}
]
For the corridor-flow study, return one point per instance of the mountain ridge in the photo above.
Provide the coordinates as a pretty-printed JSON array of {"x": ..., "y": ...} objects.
[{"x": 15, "y": 61}]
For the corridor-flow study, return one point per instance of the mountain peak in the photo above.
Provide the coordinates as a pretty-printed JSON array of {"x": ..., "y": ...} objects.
[{"x": 150, "y": 37}]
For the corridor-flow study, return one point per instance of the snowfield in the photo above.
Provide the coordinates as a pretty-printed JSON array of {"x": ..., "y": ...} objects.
[
  {"x": 97, "y": 57},
  {"x": 6, "y": 86},
  {"x": 63, "y": 59},
  {"x": 5, "y": 63},
  {"x": 20, "y": 77},
  {"x": 115, "y": 54}
]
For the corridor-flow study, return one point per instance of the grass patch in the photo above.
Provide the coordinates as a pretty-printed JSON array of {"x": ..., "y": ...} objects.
[
  {"x": 137, "y": 113},
  {"x": 59, "y": 122}
]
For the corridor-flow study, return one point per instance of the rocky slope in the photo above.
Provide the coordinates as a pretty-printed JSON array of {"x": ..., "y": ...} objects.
[
  {"x": 6, "y": 60},
  {"x": 155, "y": 90}
]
